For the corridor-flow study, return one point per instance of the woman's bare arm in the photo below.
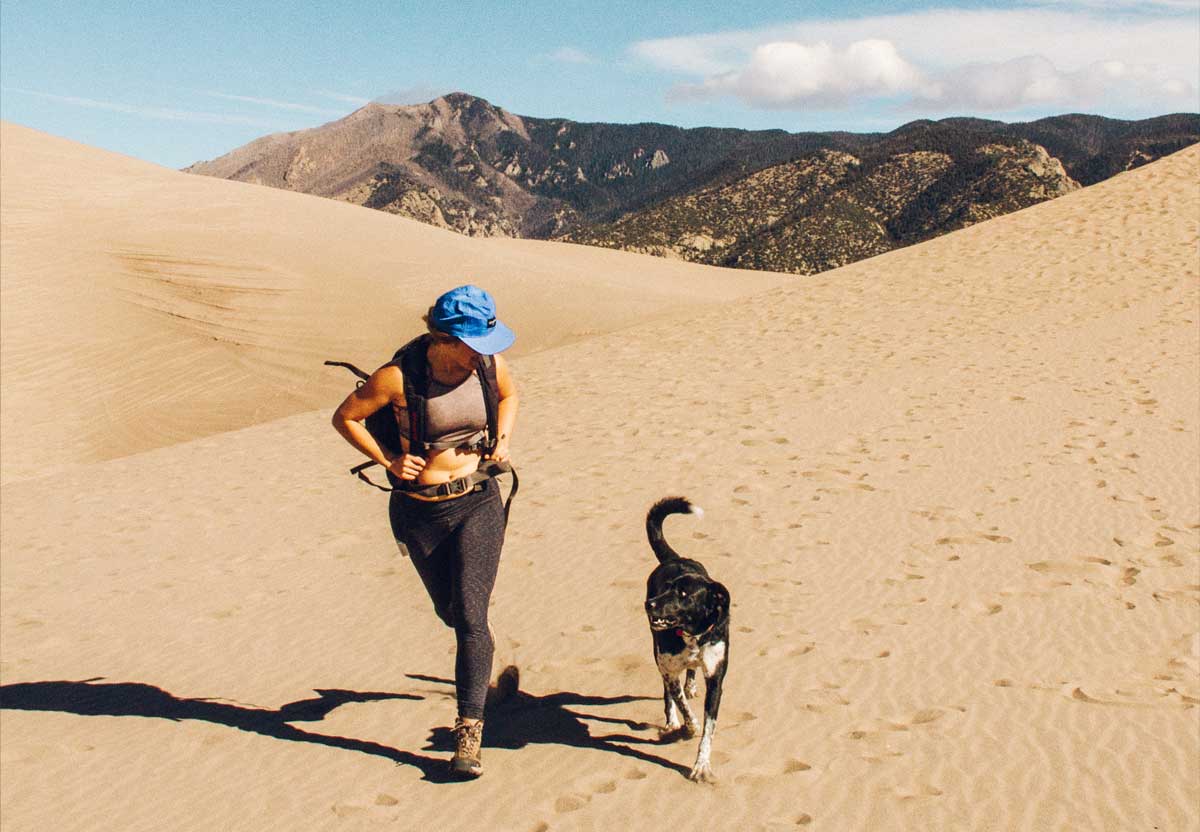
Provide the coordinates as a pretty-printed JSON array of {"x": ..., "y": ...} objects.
[
  {"x": 506, "y": 416},
  {"x": 384, "y": 388}
]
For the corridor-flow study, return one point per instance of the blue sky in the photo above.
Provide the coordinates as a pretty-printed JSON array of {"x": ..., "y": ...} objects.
[{"x": 174, "y": 82}]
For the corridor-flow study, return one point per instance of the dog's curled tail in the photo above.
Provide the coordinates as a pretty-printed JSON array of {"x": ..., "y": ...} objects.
[{"x": 654, "y": 520}]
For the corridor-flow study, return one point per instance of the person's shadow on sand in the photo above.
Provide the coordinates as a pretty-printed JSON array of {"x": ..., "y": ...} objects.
[
  {"x": 91, "y": 697},
  {"x": 519, "y": 720},
  {"x": 522, "y": 718}
]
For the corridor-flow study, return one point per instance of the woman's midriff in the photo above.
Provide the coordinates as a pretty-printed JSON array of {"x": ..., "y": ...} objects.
[{"x": 449, "y": 464}]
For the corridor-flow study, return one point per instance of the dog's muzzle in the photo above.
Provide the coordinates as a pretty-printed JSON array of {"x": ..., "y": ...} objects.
[{"x": 659, "y": 619}]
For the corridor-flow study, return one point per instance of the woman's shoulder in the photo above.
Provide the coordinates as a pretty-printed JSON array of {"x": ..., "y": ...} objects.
[{"x": 388, "y": 378}]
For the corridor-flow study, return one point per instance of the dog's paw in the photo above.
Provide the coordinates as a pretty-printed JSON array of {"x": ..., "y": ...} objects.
[
  {"x": 703, "y": 773},
  {"x": 689, "y": 688},
  {"x": 675, "y": 733}
]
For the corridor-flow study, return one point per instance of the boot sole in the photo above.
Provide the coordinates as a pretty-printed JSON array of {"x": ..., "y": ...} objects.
[{"x": 464, "y": 770}]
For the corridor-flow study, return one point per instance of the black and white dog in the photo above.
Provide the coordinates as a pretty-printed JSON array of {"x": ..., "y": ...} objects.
[{"x": 689, "y": 620}]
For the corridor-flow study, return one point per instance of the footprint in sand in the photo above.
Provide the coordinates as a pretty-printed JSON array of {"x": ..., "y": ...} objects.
[
  {"x": 1081, "y": 568},
  {"x": 908, "y": 576},
  {"x": 883, "y": 654},
  {"x": 865, "y": 626},
  {"x": 346, "y": 810},
  {"x": 917, "y": 791},
  {"x": 570, "y": 803},
  {"x": 629, "y": 662},
  {"x": 880, "y": 730},
  {"x": 575, "y": 801},
  {"x": 926, "y": 716},
  {"x": 972, "y": 539}
]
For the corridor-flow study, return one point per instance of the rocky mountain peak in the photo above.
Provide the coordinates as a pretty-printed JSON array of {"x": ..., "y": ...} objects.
[{"x": 800, "y": 202}]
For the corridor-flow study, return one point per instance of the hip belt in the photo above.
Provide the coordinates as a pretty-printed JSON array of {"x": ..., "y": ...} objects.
[{"x": 453, "y": 488}]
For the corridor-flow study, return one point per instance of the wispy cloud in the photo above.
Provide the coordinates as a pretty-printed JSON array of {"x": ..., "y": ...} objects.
[
  {"x": 1033, "y": 80},
  {"x": 1151, "y": 6},
  {"x": 572, "y": 55},
  {"x": 273, "y": 102},
  {"x": 986, "y": 60},
  {"x": 159, "y": 113}
]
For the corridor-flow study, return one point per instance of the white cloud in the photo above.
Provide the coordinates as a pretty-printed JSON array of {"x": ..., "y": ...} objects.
[
  {"x": 951, "y": 59},
  {"x": 786, "y": 74},
  {"x": 1033, "y": 80},
  {"x": 572, "y": 55}
]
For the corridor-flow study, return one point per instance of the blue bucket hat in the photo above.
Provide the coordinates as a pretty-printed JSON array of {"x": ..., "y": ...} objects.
[{"x": 469, "y": 314}]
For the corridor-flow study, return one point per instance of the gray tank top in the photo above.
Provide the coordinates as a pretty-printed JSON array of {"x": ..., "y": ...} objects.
[{"x": 454, "y": 416}]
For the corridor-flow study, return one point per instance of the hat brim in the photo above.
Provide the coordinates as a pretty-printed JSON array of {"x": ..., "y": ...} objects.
[{"x": 498, "y": 339}]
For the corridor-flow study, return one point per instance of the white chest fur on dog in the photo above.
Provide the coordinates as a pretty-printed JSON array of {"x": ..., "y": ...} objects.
[{"x": 694, "y": 656}]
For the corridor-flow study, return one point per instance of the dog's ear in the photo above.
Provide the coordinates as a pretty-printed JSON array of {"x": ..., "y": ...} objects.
[{"x": 719, "y": 599}]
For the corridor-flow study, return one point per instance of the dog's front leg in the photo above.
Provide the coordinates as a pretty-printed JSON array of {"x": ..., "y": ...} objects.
[
  {"x": 670, "y": 711},
  {"x": 676, "y": 705},
  {"x": 714, "y": 677}
]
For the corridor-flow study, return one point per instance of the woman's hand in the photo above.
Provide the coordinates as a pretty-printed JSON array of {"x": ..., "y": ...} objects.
[
  {"x": 500, "y": 452},
  {"x": 407, "y": 466}
]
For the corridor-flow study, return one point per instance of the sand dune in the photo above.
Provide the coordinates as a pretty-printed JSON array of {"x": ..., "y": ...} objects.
[
  {"x": 143, "y": 307},
  {"x": 953, "y": 490}
]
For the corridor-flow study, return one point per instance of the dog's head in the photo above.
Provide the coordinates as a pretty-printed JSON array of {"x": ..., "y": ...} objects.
[{"x": 689, "y": 603}]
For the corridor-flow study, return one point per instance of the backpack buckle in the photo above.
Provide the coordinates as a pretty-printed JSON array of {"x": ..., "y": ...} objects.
[{"x": 454, "y": 487}]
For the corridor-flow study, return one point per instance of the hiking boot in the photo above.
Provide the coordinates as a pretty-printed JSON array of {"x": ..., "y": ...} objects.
[{"x": 468, "y": 739}]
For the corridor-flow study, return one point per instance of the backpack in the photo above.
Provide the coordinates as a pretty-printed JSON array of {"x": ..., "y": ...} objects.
[{"x": 384, "y": 424}]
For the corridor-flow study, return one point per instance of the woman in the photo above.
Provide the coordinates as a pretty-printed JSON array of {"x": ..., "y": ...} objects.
[{"x": 450, "y": 522}]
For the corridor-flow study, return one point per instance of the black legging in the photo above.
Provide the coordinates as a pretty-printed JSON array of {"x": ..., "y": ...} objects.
[{"x": 455, "y": 546}]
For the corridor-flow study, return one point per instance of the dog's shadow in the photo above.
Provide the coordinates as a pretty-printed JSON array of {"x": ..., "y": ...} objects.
[
  {"x": 93, "y": 697},
  {"x": 523, "y": 719},
  {"x": 514, "y": 723}
]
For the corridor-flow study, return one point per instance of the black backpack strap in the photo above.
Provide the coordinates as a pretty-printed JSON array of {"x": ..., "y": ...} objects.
[
  {"x": 357, "y": 471},
  {"x": 495, "y": 469},
  {"x": 362, "y": 374},
  {"x": 414, "y": 366},
  {"x": 486, "y": 370}
]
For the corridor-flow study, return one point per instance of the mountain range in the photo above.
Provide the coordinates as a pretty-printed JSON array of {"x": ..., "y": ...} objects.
[{"x": 762, "y": 199}]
